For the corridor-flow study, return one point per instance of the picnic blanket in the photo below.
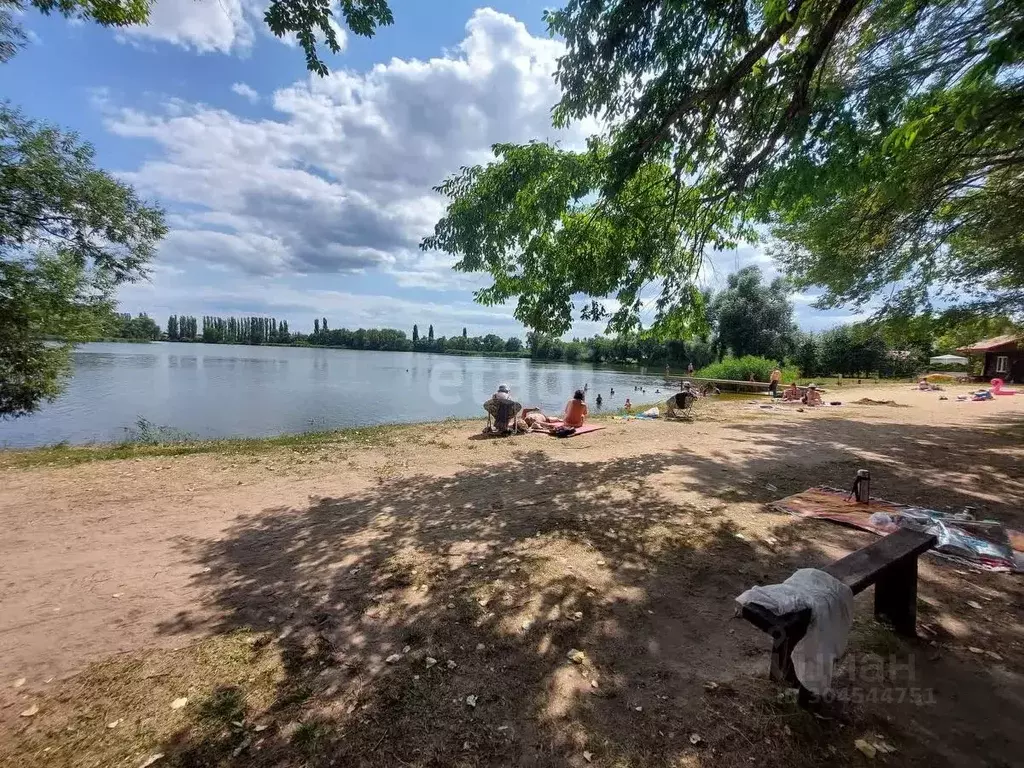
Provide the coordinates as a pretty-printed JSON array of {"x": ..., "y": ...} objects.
[{"x": 984, "y": 544}]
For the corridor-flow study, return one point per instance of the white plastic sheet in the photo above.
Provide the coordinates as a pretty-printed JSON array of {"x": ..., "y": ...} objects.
[{"x": 831, "y": 604}]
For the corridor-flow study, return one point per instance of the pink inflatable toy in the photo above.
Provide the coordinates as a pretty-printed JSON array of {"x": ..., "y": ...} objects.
[{"x": 997, "y": 388}]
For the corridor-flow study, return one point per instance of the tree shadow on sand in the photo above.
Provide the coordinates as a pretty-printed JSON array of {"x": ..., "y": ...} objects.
[{"x": 428, "y": 621}]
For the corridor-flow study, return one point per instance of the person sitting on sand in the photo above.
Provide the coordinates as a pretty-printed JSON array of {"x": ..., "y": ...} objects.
[
  {"x": 923, "y": 385},
  {"x": 676, "y": 405},
  {"x": 503, "y": 409},
  {"x": 792, "y": 394},
  {"x": 575, "y": 410},
  {"x": 812, "y": 396}
]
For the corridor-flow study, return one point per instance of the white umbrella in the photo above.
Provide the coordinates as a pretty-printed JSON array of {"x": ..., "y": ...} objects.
[{"x": 949, "y": 360}]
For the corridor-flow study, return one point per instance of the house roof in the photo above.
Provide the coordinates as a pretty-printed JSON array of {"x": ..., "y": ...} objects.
[{"x": 987, "y": 345}]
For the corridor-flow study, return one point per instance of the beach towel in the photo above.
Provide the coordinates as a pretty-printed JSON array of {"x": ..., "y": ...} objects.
[
  {"x": 584, "y": 430},
  {"x": 985, "y": 544}
]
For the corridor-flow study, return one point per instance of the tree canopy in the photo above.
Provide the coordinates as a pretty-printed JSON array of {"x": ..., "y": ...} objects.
[
  {"x": 69, "y": 234},
  {"x": 309, "y": 20},
  {"x": 880, "y": 141},
  {"x": 753, "y": 318}
]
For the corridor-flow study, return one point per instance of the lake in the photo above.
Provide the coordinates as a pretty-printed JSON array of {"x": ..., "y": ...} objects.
[{"x": 208, "y": 390}]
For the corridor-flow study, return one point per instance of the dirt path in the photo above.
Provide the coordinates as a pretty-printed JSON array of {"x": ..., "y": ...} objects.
[{"x": 629, "y": 542}]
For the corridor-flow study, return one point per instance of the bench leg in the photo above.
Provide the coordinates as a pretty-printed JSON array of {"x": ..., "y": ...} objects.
[
  {"x": 782, "y": 663},
  {"x": 785, "y": 636},
  {"x": 896, "y": 597}
]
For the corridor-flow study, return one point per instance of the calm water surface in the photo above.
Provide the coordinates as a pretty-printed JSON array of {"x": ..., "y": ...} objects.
[{"x": 211, "y": 390}]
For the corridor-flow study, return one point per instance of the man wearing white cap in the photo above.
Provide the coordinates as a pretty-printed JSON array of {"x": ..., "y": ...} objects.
[{"x": 502, "y": 409}]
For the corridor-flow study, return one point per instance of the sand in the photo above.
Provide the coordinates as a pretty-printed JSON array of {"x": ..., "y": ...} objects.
[{"x": 648, "y": 529}]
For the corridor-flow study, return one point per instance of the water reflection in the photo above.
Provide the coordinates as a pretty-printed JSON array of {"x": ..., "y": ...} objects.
[{"x": 216, "y": 391}]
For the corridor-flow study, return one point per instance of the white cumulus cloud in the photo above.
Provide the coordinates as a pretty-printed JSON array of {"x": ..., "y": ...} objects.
[
  {"x": 246, "y": 92},
  {"x": 205, "y": 26},
  {"x": 340, "y": 179}
]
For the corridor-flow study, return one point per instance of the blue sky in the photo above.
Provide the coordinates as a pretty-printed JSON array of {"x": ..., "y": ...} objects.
[{"x": 296, "y": 196}]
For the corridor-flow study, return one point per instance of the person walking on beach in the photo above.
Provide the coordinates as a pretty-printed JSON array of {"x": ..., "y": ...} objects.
[{"x": 773, "y": 382}]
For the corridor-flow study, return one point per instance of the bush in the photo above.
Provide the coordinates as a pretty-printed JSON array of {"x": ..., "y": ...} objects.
[
  {"x": 741, "y": 368},
  {"x": 940, "y": 378}
]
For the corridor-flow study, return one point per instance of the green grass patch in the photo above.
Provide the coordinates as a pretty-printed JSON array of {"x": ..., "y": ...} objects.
[
  {"x": 742, "y": 368},
  {"x": 64, "y": 455}
]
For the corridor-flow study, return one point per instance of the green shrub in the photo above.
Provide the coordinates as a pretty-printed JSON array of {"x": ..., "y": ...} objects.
[{"x": 741, "y": 368}]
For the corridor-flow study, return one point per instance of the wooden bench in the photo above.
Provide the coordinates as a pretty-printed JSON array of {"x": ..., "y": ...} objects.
[{"x": 890, "y": 564}]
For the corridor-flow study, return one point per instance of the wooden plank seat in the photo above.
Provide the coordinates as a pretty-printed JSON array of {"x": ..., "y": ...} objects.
[{"x": 890, "y": 564}]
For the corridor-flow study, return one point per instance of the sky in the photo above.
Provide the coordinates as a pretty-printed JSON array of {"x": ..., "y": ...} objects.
[{"x": 295, "y": 196}]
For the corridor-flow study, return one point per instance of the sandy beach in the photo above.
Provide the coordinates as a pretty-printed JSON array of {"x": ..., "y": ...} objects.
[{"x": 412, "y": 600}]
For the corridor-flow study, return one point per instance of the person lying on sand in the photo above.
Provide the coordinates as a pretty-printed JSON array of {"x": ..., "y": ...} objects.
[
  {"x": 813, "y": 396},
  {"x": 536, "y": 420},
  {"x": 792, "y": 394}
]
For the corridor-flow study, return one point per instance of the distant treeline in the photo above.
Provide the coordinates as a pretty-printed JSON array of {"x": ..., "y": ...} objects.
[{"x": 230, "y": 330}]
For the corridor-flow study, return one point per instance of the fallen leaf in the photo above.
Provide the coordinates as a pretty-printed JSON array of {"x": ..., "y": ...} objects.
[
  {"x": 695, "y": 739},
  {"x": 430, "y": 661},
  {"x": 393, "y": 658},
  {"x": 593, "y": 683},
  {"x": 974, "y": 649},
  {"x": 471, "y": 701},
  {"x": 639, "y": 709},
  {"x": 993, "y": 655},
  {"x": 113, "y": 724},
  {"x": 577, "y": 616},
  {"x": 19, "y": 682},
  {"x": 179, "y": 703},
  {"x": 588, "y": 756},
  {"x": 480, "y": 646},
  {"x": 31, "y": 711},
  {"x": 260, "y": 728},
  {"x": 884, "y": 747},
  {"x": 577, "y": 656},
  {"x": 407, "y": 649},
  {"x": 974, "y": 604},
  {"x": 452, "y": 664},
  {"x": 710, "y": 685},
  {"x": 867, "y": 749},
  {"x": 152, "y": 759}
]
